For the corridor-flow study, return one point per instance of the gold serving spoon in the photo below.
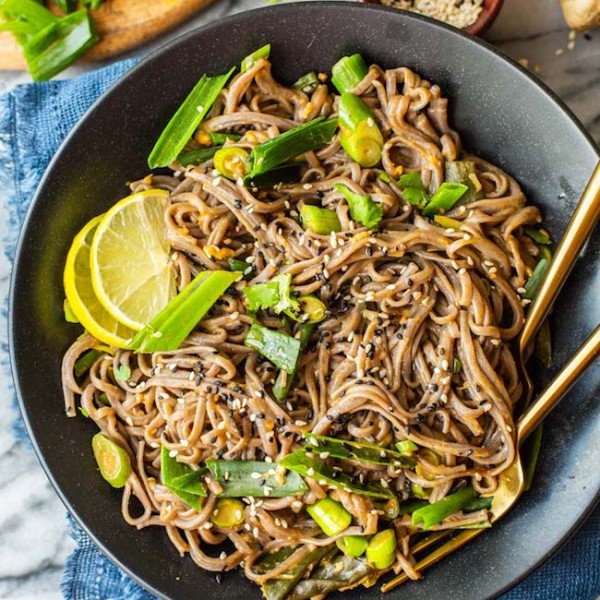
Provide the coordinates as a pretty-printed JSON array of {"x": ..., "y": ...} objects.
[{"x": 512, "y": 481}]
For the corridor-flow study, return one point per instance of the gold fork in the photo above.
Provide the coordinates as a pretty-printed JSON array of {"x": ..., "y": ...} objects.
[{"x": 512, "y": 481}]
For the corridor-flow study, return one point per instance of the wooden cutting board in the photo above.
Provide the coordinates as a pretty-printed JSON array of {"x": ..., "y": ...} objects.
[{"x": 122, "y": 25}]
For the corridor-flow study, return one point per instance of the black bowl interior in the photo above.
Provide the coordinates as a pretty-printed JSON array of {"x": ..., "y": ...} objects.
[{"x": 502, "y": 114}]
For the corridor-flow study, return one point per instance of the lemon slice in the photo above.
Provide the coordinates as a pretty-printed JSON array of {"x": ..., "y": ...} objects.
[
  {"x": 132, "y": 273},
  {"x": 80, "y": 294}
]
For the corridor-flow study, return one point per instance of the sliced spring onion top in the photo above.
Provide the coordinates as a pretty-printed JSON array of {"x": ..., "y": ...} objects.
[
  {"x": 362, "y": 208},
  {"x": 197, "y": 157},
  {"x": 283, "y": 383},
  {"x": 188, "y": 116},
  {"x": 175, "y": 322},
  {"x": 330, "y": 516},
  {"x": 241, "y": 478},
  {"x": 432, "y": 514},
  {"x": 447, "y": 195},
  {"x": 281, "y": 349},
  {"x": 263, "y": 52},
  {"x": 284, "y": 147},
  {"x": 179, "y": 477},
  {"x": 537, "y": 277},
  {"x": 307, "y": 83}
]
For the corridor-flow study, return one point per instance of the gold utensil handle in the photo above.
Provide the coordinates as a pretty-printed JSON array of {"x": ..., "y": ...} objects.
[
  {"x": 578, "y": 230},
  {"x": 559, "y": 386}
]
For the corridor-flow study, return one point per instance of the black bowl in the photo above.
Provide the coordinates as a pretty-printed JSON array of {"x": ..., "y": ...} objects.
[{"x": 503, "y": 114}]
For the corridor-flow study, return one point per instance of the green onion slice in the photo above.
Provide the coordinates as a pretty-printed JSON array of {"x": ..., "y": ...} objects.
[
  {"x": 348, "y": 72},
  {"x": 362, "y": 208},
  {"x": 59, "y": 44},
  {"x": 284, "y": 147},
  {"x": 263, "y": 52},
  {"x": 537, "y": 277},
  {"x": 381, "y": 549},
  {"x": 113, "y": 461},
  {"x": 320, "y": 220},
  {"x": 358, "y": 451},
  {"x": 407, "y": 447},
  {"x": 187, "y": 118},
  {"x": 174, "y": 323},
  {"x": 352, "y": 545},
  {"x": 241, "y": 478},
  {"x": 283, "y": 383},
  {"x": 330, "y": 516},
  {"x": 309, "y": 467},
  {"x": 197, "y": 157},
  {"x": 281, "y": 349},
  {"x": 445, "y": 198},
  {"x": 435, "y": 513},
  {"x": 179, "y": 477},
  {"x": 307, "y": 83},
  {"x": 229, "y": 512},
  {"x": 232, "y": 162}
]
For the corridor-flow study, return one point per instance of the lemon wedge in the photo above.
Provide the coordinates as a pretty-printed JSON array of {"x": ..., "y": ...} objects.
[
  {"x": 132, "y": 274},
  {"x": 81, "y": 298}
]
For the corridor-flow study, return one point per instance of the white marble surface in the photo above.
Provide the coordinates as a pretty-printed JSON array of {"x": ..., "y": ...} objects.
[{"x": 34, "y": 542}]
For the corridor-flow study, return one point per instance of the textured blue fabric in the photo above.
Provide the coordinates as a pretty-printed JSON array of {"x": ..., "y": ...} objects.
[{"x": 33, "y": 121}]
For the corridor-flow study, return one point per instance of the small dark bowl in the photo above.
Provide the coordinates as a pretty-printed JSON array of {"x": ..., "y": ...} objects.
[
  {"x": 487, "y": 16},
  {"x": 536, "y": 139}
]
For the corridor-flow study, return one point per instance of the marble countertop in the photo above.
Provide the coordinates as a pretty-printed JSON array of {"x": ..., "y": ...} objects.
[{"x": 34, "y": 540}]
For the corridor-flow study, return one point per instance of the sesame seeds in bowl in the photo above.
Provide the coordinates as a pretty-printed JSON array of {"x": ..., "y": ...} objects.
[{"x": 473, "y": 16}]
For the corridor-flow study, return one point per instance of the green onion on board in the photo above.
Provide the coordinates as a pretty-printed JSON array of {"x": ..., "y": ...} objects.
[
  {"x": 330, "y": 516},
  {"x": 362, "y": 208},
  {"x": 113, "y": 461},
  {"x": 320, "y": 220},
  {"x": 183, "y": 123},
  {"x": 241, "y": 478},
  {"x": 175, "y": 322}
]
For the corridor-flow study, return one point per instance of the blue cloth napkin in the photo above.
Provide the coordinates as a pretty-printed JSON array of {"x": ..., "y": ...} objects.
[{"x": 34, "y": 119}]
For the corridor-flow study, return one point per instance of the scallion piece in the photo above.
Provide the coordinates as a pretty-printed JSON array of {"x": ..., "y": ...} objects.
[
  {"x": 456, "y": 365},
  {"x": 320, "y": 220},
  {"x": 184, "y": 122},
  {"x": 33, "y": 13},
  {"x": 531, "y": 454},
  {"x": 181, "y": 479},
  {"x": 232, "y": 162},
  {"x": 59, "y": 44},
  {"x": 113, "y": 461},
  {"x": 310, "y": 310},
  {"x": 306, "y": 466},
  {"x": 348, "y": 72},
  {"x": 352, "y": 545},
  {"x": 358, "y": 451},
  {"x": 219, "y": 138},
  {"x": 307, "y": 83},
  {"x": 465, "y": 172},
  {"x": 235, "y": 264},
  {"x": 435, "y": 513},
  {"x": 281, "y": 389},
  {"x": 362, "y": 208},
  {"x": 284, "y": 147},
  {"x": 539, "y": 236},
  {"x": 197, "y": 157},
  {"x": 229, "y": 512},
  {"x": 281, "y": 349},
  {"x": 359, "y": 134},
  {"x": 407, "y": 447},
  {"x": 381, "y": 549},
  {"x": 263, "y": 52},
  {"x": 445, "y": 198},
  {"x": 413, "y": 190},
  {"x": 447, "y": 222},
  {"x": 175, "y": 322},
  {"x": 330, "y": 516},
  {"x": 537, "y": 277},
  {"x": 241, "y": 478}
]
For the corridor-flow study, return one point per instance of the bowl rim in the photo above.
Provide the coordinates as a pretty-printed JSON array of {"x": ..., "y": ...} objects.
[{"x": 282, "y": 8}]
